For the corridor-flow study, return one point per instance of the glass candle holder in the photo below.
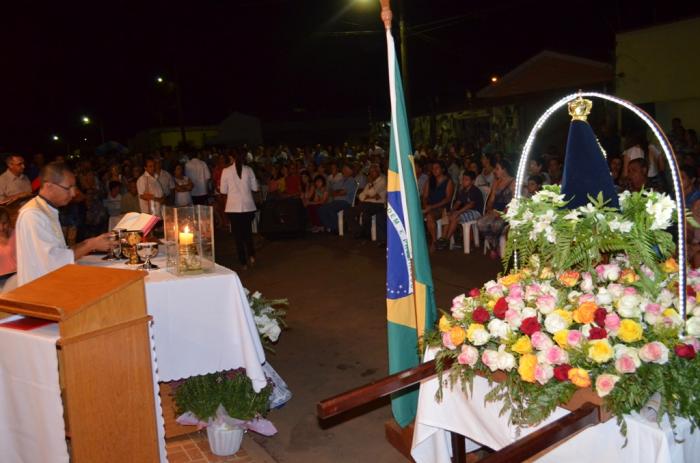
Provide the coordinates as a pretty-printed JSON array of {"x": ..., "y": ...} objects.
[{"x": 189, "y": 239}]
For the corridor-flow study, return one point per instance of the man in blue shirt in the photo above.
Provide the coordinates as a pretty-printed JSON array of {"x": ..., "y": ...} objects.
[{"x": 343, "y": 196}]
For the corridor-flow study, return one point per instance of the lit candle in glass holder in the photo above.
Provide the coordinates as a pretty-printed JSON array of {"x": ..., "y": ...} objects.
[{"x": 190, "y": 261}]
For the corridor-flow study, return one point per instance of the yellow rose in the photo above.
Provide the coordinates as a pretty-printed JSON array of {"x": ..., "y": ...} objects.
[
  {"x": 579, "y": 377},
  {"x": 569, "y": 278},
  {"x": 629, "y": 276},
  {"x": 510, "y": 279},
  {"x": 669, "y": 313},
  {"x": 457, "y": 335},
  {"x": 444, "y": 324},
  {"x": 526, "y": 367},
  {"x": 561, "y": 338},
  {"x": 630, "y": 331},
  {"x": 670, "y": 266},
  {"x": 522, "y": 345},
  {"x": 585, "y": 312},
  {"x": 491, "y": 304},
  {"x": 600, "y": 351},
  {"x": 565, "y": 314}
]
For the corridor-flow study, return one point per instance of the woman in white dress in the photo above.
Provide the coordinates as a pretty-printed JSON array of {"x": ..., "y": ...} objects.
[{"x": 183, "y": 187}]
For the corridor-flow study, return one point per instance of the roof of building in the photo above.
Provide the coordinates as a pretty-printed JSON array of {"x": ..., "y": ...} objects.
[{"x": 549, "y": 71}]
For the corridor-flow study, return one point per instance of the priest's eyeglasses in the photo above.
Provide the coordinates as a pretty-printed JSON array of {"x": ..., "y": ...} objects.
[{"x": 66, "y": 188}]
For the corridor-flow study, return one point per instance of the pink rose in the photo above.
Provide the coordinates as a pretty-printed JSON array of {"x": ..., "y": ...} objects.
[
  {"x": 543, "y": 373},
  {"x": 625, "y": 364},
  {"x": 605, "y": 383},
  {"x": 612, "y": 322},
  {"x": 653, "y": 309},
  {"x": 540, "y": 341},
  {"x": 654, "y": 352},
  {"x": 515, "y": 290},
  {"x": 458, "y": 301},
  {"x": 495, "y": 290},
  {"x": 532, "y": 291},
  {"x": 573, "y": 337},
  {"x": 586, "y": 298},
  {"x": 489, "y": 358},
  {"x": 600, "y": 270},
  {"x": 513, "y": 318},
  {"x": 446, "y": 341},
  {"x": 468, "y": 356},
  {"x": 546, "y": 303},
  {"x": 555, "y": 355},
  {"x": 630, "y": 291}
]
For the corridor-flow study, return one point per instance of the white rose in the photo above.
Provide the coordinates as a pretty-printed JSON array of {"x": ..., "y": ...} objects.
[
  {"x": 499, "y": 328},
  {"x": 480, "y": 337},
  {"x": 528, "y": 312},
  {"x": 665, "y": 298},
  {"x": 629, "y": 306},
  {"x": 273, "y": 332},
  {"x": 692, "y": 326},
  {"x": 611, "y": 272},
  {"x": 603, "y": 297},
  {"x": 554, "y": 323},
  {"x": 586, "y": 282},
  {"x": 504, "y": 361},
  {"x": 256, "y": 295},
  {"x": 586, "y": 329}
]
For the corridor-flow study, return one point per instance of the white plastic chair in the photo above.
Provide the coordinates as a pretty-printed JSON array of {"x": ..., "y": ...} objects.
[
  {"x": 341, "y": 215},
  {"x": 471, "y": 227},
  {"x": 444, "y": 220}
]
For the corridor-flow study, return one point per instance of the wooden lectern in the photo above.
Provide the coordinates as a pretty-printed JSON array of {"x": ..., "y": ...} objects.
[{"x": 104, "y": 359}]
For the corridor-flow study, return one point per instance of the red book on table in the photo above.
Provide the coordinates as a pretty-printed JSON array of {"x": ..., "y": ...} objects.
[{"x": 25, "y": 323}]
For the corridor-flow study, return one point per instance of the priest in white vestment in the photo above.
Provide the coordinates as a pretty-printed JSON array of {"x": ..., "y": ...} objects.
[{"x": 41, "y": 246}]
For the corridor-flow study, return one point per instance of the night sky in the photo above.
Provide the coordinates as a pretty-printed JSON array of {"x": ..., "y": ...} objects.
[{"x": 271, "y": 58}]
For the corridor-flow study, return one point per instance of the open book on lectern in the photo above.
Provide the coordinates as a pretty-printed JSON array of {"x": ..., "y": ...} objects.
[{"x": 138, "y": 221}]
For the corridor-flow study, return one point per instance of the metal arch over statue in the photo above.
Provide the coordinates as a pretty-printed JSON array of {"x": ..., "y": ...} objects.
[{"x": 665, "y": 145}]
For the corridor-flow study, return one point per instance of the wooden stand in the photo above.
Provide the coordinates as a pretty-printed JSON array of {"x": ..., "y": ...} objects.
[{"x": 104, "y": 359}]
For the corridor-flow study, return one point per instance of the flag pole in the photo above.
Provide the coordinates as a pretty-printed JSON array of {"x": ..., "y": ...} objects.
[{"x": 386, "y": 14}]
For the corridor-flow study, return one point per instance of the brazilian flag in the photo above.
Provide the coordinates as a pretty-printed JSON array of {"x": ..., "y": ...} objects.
[{"x": 410, "y": 300}]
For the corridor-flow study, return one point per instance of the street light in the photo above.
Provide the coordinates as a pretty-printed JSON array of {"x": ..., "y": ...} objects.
[
  {"x": 160, "y": 80},
  {"x": 55, "y": 137},
  {"x": 173, "y": 85},
  {"x": 494, "y": 79},
  {"x": 85, "y": 120}
]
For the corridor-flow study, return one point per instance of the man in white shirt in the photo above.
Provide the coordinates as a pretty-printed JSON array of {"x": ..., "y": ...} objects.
[
  {"x": 167, "y": 183},
  {"x": 151, "y": 196},
  {"x": 372, "y": 202},
  {"x": 198, "y": 171},
  {"x": 14, "y": 184},
  {"x": 41, "y": 246}
]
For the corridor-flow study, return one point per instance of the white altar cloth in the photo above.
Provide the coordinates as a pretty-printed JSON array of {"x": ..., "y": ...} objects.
[
  {"x": 201, "y": 324},
  {"x": 481, "y": 423},
  {"x": 31, "y": 411}
]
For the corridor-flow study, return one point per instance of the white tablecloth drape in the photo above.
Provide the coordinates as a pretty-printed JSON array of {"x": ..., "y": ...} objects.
[
  {"x": 31, "y": 411},
  {"x": 481, "y": 423},
  {"x": 201, "y": 324}
]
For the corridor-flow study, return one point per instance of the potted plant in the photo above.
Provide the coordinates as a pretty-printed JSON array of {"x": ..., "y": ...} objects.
[{"x": 227, "y": 405}]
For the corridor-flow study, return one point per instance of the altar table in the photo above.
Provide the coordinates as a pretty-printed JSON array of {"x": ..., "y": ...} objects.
[
  {"x": 201, "y": 324},
  {"x": 481, "y": 423}
]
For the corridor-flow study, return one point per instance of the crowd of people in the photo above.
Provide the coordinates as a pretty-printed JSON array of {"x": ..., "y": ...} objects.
[{"x": 458, "y": 184}]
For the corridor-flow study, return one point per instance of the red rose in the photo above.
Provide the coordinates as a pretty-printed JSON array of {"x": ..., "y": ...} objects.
[
  {"x": 530, "y": 325},
  {"x": 474, "y": 292},
  {"x": 561, "y": 372},
  {"x": 690, "y": 291},
  {"x": 480, "y": 315},
  {"x": 499, "y": 310},
  {"x": 597, "y": 333},
  {"x": 599, "y": 316},
  {"x": 685, "y": 351}
]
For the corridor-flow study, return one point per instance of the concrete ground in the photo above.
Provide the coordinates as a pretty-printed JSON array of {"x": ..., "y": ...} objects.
[{"x": 337, "y": 335}]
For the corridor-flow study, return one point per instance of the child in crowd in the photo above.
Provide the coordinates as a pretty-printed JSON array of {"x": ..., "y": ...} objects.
[
  {"x": 468, "y": 205},
  {"x": 534, "y": 184}
]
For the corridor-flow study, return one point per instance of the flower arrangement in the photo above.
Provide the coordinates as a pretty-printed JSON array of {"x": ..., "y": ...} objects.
[
  {"x": 269, "y": 317},
  {"x": 598, "y": 311},
  {"x": 223, "y": 397}
]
